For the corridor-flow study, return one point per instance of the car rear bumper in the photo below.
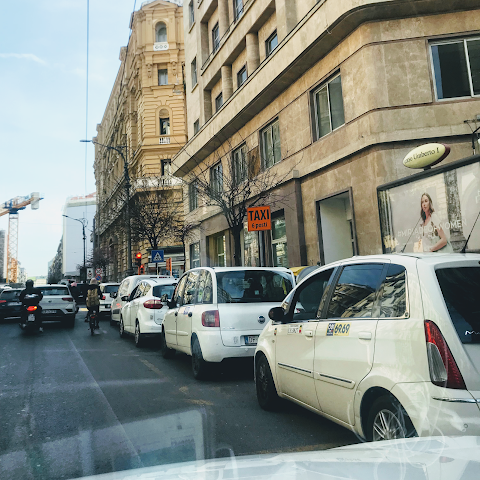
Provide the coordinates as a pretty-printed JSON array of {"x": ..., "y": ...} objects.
[
  {"x": 104, "y": 308},
  {"x": 213, "y": 350},
  {"x": 439, "y": 411},
  {"x": 59, "y": 315}
]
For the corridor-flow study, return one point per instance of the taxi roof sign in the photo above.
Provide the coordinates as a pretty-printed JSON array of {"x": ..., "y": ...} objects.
[{"x": 259, "y": 219}]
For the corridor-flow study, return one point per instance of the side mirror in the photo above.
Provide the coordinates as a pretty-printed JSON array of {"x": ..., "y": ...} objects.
[
  {"x": 276, "y": 314},
  {"x": 171, "y": 304},
  {"x": 125, "y": 298}
]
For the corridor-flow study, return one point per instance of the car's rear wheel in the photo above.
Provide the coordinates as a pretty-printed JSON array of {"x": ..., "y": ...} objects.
[
  {"x": 200, "y": 367},
  {"x": 70, "y": 321},
  {"x": 166, "y": 352},
  {"x": 388, "y": 420},
  {"x": 121, "y": 329},
  {"x": 139, "y": 340},
  {"x": 267, "y": 395}
]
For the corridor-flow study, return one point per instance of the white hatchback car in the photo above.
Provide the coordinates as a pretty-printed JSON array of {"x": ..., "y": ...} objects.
[
  {"x": 58, "y": 304},
  {"x": 387, "y": 346},
  {"x": 143, "y": 314},
  {"x": 107, "y": 299},
  {"x": 219, "y": 312}
]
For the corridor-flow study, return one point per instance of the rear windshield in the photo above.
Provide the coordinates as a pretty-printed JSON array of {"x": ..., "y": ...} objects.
[
  {"x": 110, "y": 288},
  {"x": 55, "y": 291},
  {"x": 252, "y": 286},
  {"x": 160, "y": 290},
  {"x": 460, "y": 287},
  {"x": 10, "y": 294}
]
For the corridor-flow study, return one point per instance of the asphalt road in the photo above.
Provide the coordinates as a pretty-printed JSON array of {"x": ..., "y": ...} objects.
[{"x": 73, "y": 405}]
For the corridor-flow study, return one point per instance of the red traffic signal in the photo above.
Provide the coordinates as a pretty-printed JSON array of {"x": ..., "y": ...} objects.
[{"x": 138, "y": 259}]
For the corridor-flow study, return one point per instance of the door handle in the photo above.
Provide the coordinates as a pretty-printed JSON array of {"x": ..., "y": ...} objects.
[
  {"x": 365, "y": 335},
  {"x": 189, "y": 314},
  {"x": 176, "y": 314},
  {"x": 308, "y": 333}
]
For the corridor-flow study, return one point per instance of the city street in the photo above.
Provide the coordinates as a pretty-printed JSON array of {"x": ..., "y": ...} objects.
[{"x": 73, "y": 405}]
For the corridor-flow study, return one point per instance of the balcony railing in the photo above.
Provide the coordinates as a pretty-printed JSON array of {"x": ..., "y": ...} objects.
[{"x": 164, "y": 141}]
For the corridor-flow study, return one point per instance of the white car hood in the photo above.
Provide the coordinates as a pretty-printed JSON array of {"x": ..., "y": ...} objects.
[{"x": 428, "y": 458}]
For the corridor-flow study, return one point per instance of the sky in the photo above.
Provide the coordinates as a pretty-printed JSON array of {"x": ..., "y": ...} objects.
[{"x": 43, "y": 57}]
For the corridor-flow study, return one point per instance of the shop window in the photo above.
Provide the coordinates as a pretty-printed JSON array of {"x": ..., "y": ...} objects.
[
  {"x": 237, "y": 8},
  {"x": 163, "y": 77},
  {"x": 216, "y": 179},
  {"x": 271, "y": 151},
  {"x": 456, "y": 66},
  {"x": 161, "y": 33},
  {"x": 195, "y": 255},
  {"x": 328, "y": 104},
  {"x": 242, "y": 76},
  {"x": 336, "y": 228},
  {"x": 355, "y": 292},
  {"x": 164, "y": 126},
  {"x": 196, "y": 126},
  {"x": 191, "y": 13},
  {"x": 218, "y": 102},
  {"x": 279, "y": 242},
  {"x": 271, "y": 43},
  {"x": 240, "y": 164},
  {"x": 194, "y": 72},
  {"x": 192, "y": 196},
  {"x": 215, "y": 38},
  {"x": 220, "y": 258}
]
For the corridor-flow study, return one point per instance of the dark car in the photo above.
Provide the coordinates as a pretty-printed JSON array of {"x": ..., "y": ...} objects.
[{"x": 10, "y": 305}]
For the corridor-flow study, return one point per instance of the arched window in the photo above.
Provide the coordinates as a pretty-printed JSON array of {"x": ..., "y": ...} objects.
[{"x": 161, "y": 32}]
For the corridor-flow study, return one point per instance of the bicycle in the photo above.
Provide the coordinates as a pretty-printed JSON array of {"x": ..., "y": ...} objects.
[{"x": 92, "y": 320}]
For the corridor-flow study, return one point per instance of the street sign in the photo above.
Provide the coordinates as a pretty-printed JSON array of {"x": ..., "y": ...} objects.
[
  {"x": 427, "y": 155},
  {"x": 89, "y": 273},
  {"x": 157, "y": 256},
  {"x": 99, "y": 271},
  {"x": 169, "y": 264},
  {"x": 98, "y": 278},
  {"x": 259, "y": 218}
]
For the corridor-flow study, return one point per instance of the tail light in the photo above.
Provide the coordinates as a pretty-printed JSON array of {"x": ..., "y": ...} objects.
[
  {"x": 68, "y": 299},
  {"x": 103, "y": 297},
  {"x": 211, "y": 318},
  {"x": 3, "y": 301},
  {"x": 444, "y": 371},
  {"x": 31, "y": 308},
  {"x": 153, "y": 304}
]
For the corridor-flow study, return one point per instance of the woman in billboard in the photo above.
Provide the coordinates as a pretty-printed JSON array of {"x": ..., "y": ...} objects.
[{"x": 433, "y": 237}]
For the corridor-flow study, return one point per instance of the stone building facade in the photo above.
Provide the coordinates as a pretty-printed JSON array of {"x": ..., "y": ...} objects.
[
  {"x": 345, "y": 89},
  {"x": 145, "y": 118}
]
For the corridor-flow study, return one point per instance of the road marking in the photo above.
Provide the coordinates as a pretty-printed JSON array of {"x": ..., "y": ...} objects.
[
  {"x": 197, "y": 401},
  {"x": 152, "y": 367},
  {"x": 184, "y": 390},
  {"x": 83, "y": 309}
]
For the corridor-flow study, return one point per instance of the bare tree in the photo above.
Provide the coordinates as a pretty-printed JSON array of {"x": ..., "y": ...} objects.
[
  {"x": 235, "y": 182},
  {"x": 100, "y": 258}
]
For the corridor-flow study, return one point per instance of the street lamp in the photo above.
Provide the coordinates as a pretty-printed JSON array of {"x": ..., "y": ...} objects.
[
  {"x": 119, "y": 150},
  {"x": 83, "y": 221}
]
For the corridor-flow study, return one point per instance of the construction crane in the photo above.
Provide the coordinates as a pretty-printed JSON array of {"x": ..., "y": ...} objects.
[{"x": 12, "y": 207}]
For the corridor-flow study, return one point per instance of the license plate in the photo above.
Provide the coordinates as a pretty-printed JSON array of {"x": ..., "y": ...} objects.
[
  {"x": 49, "y": 311},
  {"x": 31, "y": 317},
  {"x": 13, "y": 304},
  {"x": 251, "y": 340}
]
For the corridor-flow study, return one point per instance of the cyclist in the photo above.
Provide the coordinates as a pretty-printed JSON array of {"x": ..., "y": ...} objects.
[{"x": 94, "y": 294}]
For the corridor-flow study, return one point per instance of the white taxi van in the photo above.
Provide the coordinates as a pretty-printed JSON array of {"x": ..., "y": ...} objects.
[
  {"x": 387, "y": 346},
  {"x": 218, "y": 313}
]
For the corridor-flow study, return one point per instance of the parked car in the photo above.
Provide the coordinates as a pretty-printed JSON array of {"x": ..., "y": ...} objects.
[
  {"x": 58, "y": 304},
  {"x": 218, "y": 313},
  {"x": 10, "y": 305},
  {"x": 143, "y": 314},
  {"x": 387, "y": 346},
  {"x": 107, "y": 290},
  {"x": 124, "y": 291}
]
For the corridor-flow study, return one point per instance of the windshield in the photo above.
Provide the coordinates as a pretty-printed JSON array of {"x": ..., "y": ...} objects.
[
  {"x": 54, "y": 291},
  {"x": 460, "y": 287},
  {"x": 160, "y": 290},
  {"x": 9, "y": 294},
  {"x": 252, "y": 286}
]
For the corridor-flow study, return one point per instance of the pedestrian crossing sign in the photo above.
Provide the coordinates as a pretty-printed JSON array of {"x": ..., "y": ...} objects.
[{"x": 157, "y": 256}]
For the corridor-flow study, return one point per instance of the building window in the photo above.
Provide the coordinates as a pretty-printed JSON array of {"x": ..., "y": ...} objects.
[
  {"x": 218, "y": 102},
  {"x": 194, "y": 72},
  {"x": 456, "y": 66},
  {"x": 237, "y": 8},
  {"x": 240, "y": 164},
  {"x": 279, "y": 242},
  {"x": 271, "y": 43},
  {"x": 192, "y": 196},
  {"x": 220, "y": 257},
  {"x": 196, "y": 127},
  {"x": 242, "y": 76},
  {"x": 215, "y": 38},
  {"x": 328, "y": 102},
  {"x": 161, "y": 33},
  {"x": 164, "y": 126},
  {"x": 195, "y": 255},
  {"x": 163, "y": 77},
  {"x": 271, "y": 151},
  {"x": 216, "y": 179},
  {"x": 166, "y": 165},
  {"x": 191, "y": 12}
]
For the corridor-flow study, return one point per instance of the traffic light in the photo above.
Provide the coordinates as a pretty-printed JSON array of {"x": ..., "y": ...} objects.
[
  {"x": 141, "y": 270},
  {"x": 138, "y": 259}
]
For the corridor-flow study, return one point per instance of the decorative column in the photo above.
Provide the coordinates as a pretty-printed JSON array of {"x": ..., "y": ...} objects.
[
  {"x": 223, "y": 17},
  {"x": 286, "y": 17},
  {"x": 227, "y": 82},
  {"x": 253, "y": 52}
]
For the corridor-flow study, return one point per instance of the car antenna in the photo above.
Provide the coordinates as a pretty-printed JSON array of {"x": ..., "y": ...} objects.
[
  {"x": 466, "y": 243},
  {"x": 403, "y": 249}
]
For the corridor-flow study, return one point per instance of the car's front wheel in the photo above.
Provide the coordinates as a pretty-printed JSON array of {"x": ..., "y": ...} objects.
[
  {"x": 121, "y": 329},
  {"x": 388, "y": 420},
  {"x": 267, "y": 395}
]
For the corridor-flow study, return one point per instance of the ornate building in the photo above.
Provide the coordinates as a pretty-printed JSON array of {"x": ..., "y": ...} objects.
[{"x": 143, "y": 127}]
